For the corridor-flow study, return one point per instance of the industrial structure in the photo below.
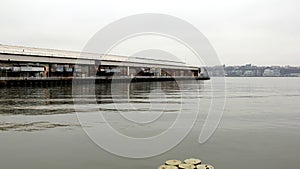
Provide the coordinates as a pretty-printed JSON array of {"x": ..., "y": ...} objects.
[{"x": 17, "y": 62}]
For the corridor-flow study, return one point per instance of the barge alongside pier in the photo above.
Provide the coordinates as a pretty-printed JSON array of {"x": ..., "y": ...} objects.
[{"x": 24, "y": 66}]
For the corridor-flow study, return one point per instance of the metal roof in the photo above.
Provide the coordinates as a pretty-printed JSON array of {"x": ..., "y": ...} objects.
[{"x": 63, "y": 56}]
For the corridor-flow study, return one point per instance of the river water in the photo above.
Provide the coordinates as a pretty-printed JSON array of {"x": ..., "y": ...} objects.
[{"x": 260, "y": 127}]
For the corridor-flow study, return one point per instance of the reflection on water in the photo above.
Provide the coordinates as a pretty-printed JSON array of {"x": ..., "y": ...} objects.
[
  {"x": 33, "y": 126},
  {"x": 35, "y": 102},
  {"x": 129, "y": 108},
  {"x": 59, "y": 100},
  {"x": 260, "y": 126}
]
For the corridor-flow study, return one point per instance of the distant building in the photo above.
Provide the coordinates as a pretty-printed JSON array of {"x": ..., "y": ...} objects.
[
  {"x": 248, "y": 66},
  {"x": 259, "y": 72},
  {"x": 271, "y": 73},
  {"x": 249, "y": 70},
  {"x": 249, "y": 73},
  {"x": 294, "y": 74}
]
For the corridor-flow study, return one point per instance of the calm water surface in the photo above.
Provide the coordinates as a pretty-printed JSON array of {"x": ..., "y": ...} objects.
[{"x": 260, "y": 127}]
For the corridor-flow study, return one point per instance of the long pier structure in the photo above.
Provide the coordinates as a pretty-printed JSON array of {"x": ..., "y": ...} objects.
[{"x": 37, "y": 66}]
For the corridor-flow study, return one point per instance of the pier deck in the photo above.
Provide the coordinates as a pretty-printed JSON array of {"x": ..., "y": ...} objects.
[{"x": 42, "y": 81}]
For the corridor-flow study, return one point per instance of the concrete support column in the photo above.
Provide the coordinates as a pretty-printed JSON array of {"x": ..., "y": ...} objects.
[
  {"x": 159, "y": 71},
  {"x": 128, "y": 71}
]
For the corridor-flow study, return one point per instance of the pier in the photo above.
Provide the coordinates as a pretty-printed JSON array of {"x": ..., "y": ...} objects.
[{"x": 23, "y": 66}]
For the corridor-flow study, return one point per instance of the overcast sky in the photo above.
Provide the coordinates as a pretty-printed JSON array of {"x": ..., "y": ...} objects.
[{"x": 261, "y": 32}]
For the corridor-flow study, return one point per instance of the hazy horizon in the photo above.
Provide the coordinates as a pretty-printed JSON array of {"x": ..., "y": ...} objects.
[{"x": 250, "y": 31}]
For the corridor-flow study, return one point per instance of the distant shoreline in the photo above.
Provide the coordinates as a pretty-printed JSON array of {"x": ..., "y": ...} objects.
[
  {"x": 250, "y": 70},
  {"x": 259, "y": 76}
]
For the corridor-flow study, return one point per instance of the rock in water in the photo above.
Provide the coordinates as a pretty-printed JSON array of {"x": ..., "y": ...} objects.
[
  {"x": 167, "y": 167},
  {"x": 186, "y": 166},
  {"x": 205, "y": 166},
  {"x": 193, "y": 161},
  {"x": 173, "y": 162}
]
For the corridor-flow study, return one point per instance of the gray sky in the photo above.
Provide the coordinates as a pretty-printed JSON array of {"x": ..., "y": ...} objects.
[{"x": 261, "y": 32}]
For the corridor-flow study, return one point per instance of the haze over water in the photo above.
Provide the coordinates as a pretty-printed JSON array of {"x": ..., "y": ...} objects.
[{"x": 260, "y": 127}]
